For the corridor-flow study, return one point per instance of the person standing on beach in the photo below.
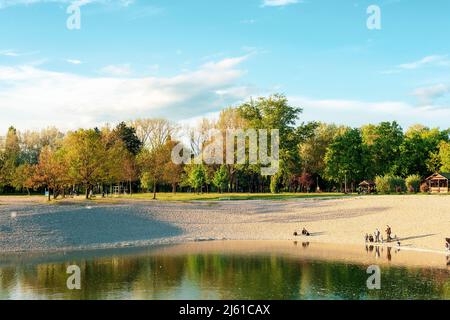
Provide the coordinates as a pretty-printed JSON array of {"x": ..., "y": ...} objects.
[
  {"x": 389, "y": 232},
  {"x": 377, "y": 235}
]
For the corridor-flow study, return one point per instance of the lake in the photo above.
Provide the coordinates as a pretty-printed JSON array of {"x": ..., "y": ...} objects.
[{"x": 227, "y": 270}]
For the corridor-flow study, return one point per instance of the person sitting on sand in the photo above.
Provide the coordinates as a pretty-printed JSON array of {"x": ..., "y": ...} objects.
[
  {"x": 371, "y": 239},
  {"x": 304, "y": 233},
  {"x": 367, "y": 238},
  {"x": 447, "y": 244}
]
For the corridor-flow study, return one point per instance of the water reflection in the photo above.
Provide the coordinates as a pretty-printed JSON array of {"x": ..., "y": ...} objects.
[{"x": 162, "y": 274}]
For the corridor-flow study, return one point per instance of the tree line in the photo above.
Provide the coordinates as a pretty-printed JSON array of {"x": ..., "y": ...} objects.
[{"x": 136, "y": 155}]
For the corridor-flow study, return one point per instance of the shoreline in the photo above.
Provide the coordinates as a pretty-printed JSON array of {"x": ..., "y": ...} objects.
[
  {"x": 76, "y": 226},
  {"x": 308, "y": 251}
]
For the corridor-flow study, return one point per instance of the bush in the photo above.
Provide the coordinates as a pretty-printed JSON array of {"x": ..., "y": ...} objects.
[
  {"x": 413, "y": 183},
  {"x": 390, "y": 184},
  {"x": 274, "y": 185},
  {"x": 424, "y": 187}
]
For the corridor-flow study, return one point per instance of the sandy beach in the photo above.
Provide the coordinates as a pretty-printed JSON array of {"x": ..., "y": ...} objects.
[{"x": 26, "y": 224}]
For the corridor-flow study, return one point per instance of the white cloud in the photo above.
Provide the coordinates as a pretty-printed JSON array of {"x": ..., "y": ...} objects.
[
  {"x": 9, "y": 53},
  {"x": 74, "y": 61},
  {"x": 248, "y": 21},
  {"x": 437, "y": 60},
  {"x": 428, "y": 95},
  {"x": 31, "y": 97},
  {"x": 117, "y": 70},
  {"x": 14, "y": 53},
  {"x": 357, "y": 113},
  {"x": 278, "y": 3},
  {"x": 11, "y": 3}
]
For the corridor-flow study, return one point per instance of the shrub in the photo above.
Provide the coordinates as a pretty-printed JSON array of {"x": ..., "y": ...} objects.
[
  {"x": 424, "y": 187},
  {"x": 274, "y": 188},
  {"x": 413, "y": 183},
  {"x": 390, "y": 184}
]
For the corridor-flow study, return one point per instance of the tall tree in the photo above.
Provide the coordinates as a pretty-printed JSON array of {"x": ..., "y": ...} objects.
[
  {"x": 154, "y": 133},
  {"x": 152, "y": 165},
  {"x": 50, "y": 171},
  {"x": 127, "y": 135},
  {"x": 172, "y": 172},
  {"x": 220, "y": 179},
  {"x": 23, "y": 177},
  {"x": 345, "y": 158},
  {"x": 444, "y": 155},
  {"x": 418, "y": 146},
  {"x": 130, "y": 170},
  {"x": 198, "y": 177},
  {"x": 86, "y": 157},
  {"x": 275, "y": 112},
  {"x": 383, "y": 142},
  {"x": 10, "y": 157},
  {"x": 314, "y": 148}
]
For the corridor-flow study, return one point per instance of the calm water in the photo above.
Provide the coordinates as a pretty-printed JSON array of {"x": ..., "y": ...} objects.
[{"x": 158, "y": 273}]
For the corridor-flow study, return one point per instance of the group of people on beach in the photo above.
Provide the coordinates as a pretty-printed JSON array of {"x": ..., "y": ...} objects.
[
  {"x": 377, "y": 237},
  {"x": 304, "y": 233}
]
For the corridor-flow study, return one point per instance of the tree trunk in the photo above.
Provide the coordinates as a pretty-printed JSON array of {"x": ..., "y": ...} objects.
[
  {"x": 130, "y": 189},
  {"x": 174, "y": 188},
  {"x": 49, "y": 199},
  {"x": 87, "y": 192},
  {"x": 154, "y": 191}
]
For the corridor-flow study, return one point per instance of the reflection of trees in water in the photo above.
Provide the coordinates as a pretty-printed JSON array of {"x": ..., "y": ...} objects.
[{"x": 224, "y": 277}]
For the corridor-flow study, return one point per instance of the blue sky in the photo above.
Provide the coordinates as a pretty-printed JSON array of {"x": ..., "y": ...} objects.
[{"x": 183, "y": 59}]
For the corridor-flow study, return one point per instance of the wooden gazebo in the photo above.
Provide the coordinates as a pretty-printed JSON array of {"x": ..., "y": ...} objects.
[
  {"x": 367, "y": 186},
  {"x": 439, "y": 183}
]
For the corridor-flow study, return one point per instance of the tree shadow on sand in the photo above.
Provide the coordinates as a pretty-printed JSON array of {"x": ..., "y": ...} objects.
[
  {"x": 320, "y": 216},
  {"x": 417, "y": 237},
  {"x": 78, "y": 227}
]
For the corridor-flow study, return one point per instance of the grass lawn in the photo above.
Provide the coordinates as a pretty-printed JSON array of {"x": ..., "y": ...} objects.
[
  {"x": 229, "y": 196},
  {"x": 194, "y": 197}
]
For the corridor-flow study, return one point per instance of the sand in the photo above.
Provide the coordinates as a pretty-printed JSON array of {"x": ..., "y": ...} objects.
[{"x": 420, "y": 222}]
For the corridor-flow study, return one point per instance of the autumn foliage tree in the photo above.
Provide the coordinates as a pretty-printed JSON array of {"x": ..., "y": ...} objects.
[
  {"x": 23, "y": 177},
  {"x": 50, "y": 171},
  {"x": 153, "y": 164},
  {"x": 86, "y": 156}
]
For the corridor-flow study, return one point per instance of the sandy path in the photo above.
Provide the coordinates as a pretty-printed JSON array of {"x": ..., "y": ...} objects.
[{"x": 419, "y": 221}]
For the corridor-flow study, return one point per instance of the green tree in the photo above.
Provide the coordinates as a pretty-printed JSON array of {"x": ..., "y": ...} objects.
[
  {"x": 87, "y": 157},
  {"x": 345, "y": 158},
  {"x": 152, "y": 164},
  {"x": 23, "y": 177},
  {"x": 444, "y": 155},
  {"x": 10, "y": 157},
  {"x": 172, "y": 172},
  {"x": 383, "y": 143},
  {"x": 198, "y": 177},
  {"x": 416, "y": 151},
  {"x": 313, "y": 149},
  {"x": 127, "y": 135},
  {"x": 275, "y": 112},
  {"x": 220, "y": 179}
]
